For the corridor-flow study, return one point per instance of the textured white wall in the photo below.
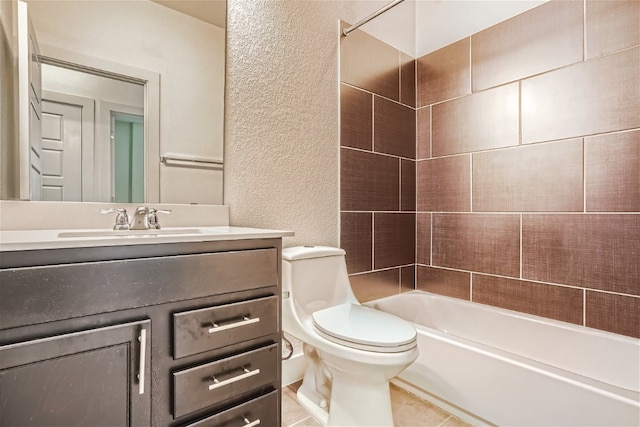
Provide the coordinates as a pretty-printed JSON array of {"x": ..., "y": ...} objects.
[{"x": 282, "y": 115}]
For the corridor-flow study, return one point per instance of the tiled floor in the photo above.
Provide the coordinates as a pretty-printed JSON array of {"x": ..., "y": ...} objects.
[{"x": 408, "y": 411}]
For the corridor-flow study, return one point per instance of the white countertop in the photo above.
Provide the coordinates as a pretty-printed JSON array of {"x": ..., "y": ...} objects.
[{"x": 22, "y": 240}]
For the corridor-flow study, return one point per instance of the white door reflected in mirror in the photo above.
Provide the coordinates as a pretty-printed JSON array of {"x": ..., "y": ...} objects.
[{"x": 93, "y": 141}]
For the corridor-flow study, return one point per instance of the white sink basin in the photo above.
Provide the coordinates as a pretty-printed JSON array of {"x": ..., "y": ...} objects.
[{"x": 129, "y": 233}]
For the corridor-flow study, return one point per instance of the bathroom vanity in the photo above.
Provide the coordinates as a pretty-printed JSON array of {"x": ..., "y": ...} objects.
[{"x": 165, "y": 330}]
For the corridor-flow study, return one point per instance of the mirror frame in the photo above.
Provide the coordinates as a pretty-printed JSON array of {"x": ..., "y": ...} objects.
[{"x": 150, "y": 80}]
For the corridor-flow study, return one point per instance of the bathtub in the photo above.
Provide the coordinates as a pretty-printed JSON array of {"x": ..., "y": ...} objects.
[{"x": 493, "y": 366}]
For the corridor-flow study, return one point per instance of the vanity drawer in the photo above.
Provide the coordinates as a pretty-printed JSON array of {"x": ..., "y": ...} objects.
[
  {"x": 261, "y": 411},
  {"x": 215, "y": 382},
  {"x": 74, "y": 290},
  {"x": 209, "y": 328}
]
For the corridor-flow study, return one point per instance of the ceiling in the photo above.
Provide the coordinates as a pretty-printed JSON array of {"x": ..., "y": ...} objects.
[
  {"x": 211, "y": 11},
  {"x": 428, "y": 25},
  {"x": 416, "y": 27}
]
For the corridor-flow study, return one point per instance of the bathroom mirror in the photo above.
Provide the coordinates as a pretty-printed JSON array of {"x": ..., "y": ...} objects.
[{"x": 137, "y": 87}]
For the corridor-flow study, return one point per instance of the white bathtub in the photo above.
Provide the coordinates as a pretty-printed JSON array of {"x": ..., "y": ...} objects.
[{"x": 494, "y": 366}]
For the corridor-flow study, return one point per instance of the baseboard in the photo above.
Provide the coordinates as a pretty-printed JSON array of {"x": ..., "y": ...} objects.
[{"x": 293, "y": 369}]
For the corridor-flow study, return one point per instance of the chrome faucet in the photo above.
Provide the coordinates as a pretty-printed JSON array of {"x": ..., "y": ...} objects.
[
  {"x": 122, "y": 219},
  {"x": 153, "y": 217},
  {"x": 146, "y": 218},
  {"x": 140, "y": 219}
]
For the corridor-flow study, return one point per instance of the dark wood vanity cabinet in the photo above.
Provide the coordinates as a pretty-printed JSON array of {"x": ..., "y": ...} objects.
[
  {"x": 96, "y": 377},
  {"x": 142, "y": 335}
]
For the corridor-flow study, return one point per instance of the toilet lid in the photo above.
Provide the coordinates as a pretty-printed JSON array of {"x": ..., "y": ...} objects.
[{"x": 364, "y": 328}]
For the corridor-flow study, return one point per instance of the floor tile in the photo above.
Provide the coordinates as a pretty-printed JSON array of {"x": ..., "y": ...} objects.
[{"x": 408, "y": 411}]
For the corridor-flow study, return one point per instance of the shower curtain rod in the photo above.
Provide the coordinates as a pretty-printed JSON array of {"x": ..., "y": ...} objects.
[{"x": 346, "y": 31}]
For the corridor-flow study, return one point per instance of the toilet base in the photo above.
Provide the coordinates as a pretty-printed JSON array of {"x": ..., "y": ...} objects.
[
  {"x": 319, "y": 414},
  {"x": 354, "y": 402}
]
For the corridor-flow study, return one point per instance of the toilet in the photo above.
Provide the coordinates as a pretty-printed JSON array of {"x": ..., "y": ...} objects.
[{"x": 352, "y": 351}]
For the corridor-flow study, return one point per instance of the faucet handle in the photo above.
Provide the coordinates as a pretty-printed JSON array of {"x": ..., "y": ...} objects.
[
  {"x": 162, "y": 211},
  {"x": 153, "y": 217},
  {"x": 122, "y": 219}
]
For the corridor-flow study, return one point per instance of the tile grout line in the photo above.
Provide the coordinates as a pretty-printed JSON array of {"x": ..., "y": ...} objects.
[
  {"x": 584, "y": 30},
  {"x": 373, "y": 241},
  {"x": 521, "y": 227},
  {"x": 373, "y": 141},
  {"x": 362, "y": 150},
  {"x": 584, "y": 307},
  {"x": 584, "y": 177},
  {"x": 373, "y": 123},
  {"x": 431, "y": 238},
  {"x": 399, "y": 185},
  {"x": 430, "y": 132},
  {"x": 299, "y": 422},
  {"x": 444, "y": 421}
]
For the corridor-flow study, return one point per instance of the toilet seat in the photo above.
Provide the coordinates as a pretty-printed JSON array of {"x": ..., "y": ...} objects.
[{"x": 364, "y": 328}]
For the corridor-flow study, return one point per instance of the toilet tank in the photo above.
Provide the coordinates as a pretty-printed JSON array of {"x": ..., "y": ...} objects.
[{"x": 316, "y": 278}]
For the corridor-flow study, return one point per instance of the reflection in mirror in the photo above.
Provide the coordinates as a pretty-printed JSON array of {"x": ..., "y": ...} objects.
[
  {"x": 177, "y": 76},
  {"x": 92, "y": 136}
]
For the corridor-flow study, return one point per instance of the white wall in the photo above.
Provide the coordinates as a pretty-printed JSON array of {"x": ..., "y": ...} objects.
[
  {"x": 187, "y": 53},
  {"x": 282, "y": 115}
]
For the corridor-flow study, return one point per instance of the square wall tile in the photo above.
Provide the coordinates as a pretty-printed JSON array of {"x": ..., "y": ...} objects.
[
  {"x": 544, "y": 38},
  {"x": 394, "y": 237},
  {"x": 450, "y": 283},
  {"x": 423, "y": 129},
  {"x": 536, "y": 178},
  {"x": 369, "y": 181},
  {"x": 374, "y": 285},
  {"x": 611, "y": 26},
  {"x": 408, "y": 183},
  {"x": 476, "y": 122},
  {"x": 356, "y": 236},
  {"x": 444, "y": 74},
  {"x": 485, "y": 243},
  {"x": 596, "y": 96},
  {"x": 554, "y": 302},
  {"x": 407, "y": 80},
  {"x": 356, "y": 118},
  {"x": 588, "y": 250},
  {"x": 370, "y": 64},
  {"x": 444, "y": 184},
  {"x": 614, "y": 313},
  {"x": 394, "y": 128},
  {"x": 612, "y": 172},
  {"x": 423, "y": 238}
]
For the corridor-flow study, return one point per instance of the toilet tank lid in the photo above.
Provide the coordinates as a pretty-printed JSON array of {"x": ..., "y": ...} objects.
[{"x": 305, "y": 252}]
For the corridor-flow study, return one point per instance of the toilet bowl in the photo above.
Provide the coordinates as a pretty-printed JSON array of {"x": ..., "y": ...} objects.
[{"x": 352, "y": 351}]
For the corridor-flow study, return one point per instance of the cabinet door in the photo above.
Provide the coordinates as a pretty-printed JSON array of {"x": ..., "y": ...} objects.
[{"x": 98, "y": 377}]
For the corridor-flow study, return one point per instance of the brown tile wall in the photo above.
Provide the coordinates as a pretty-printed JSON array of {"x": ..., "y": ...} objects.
[
  {"x": 378, "y": 166},
  {"x": 526, "y": 163},
  {"x": 545, "y": 216}
]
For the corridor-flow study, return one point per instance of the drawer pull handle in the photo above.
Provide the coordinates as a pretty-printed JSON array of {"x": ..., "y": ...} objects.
[
  {"x": 143, "y": 350},
  {"x": 247, "y": 374},
  {"x": 245, "y": 321},
  {"x": 250, "y": 423}
]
